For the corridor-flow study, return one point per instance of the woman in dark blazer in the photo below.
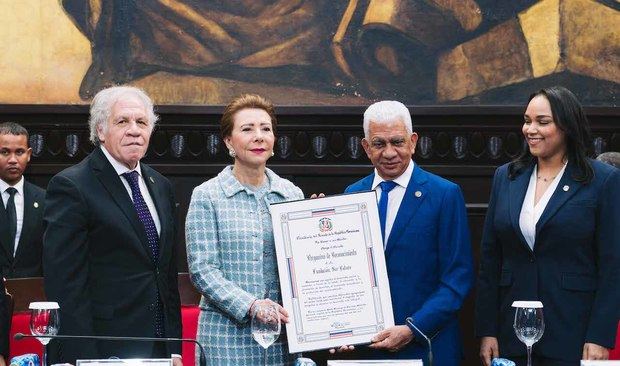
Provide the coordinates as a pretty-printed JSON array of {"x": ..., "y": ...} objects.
[{"x": 552, "y": 234}]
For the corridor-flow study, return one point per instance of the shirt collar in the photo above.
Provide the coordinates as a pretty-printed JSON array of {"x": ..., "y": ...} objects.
[
  {"x": 232, "y": 186},
  {"x": 118, "y": 167},
  {"x": 401, "y": 180},
  {"x": 19, "y": 186}
]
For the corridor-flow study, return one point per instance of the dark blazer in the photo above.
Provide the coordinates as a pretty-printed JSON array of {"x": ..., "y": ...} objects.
[
  {"x": 4, "y": 321},
  {"x": 27, "y": 259},
  {"x": 573, "y": 269},
  {"x": 98, "y": 265},
  {"x": 429, "y": 264}
]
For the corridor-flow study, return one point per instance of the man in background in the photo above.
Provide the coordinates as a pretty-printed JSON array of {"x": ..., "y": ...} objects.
[
  {"x": 426, "y": 241},
  {"x": 109, "y": 255},
  {"x": 21, "y": 216}
]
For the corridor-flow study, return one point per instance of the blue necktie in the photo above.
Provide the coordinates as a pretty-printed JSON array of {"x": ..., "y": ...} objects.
[
  {"x": 143, "y": 213},
  {"x": 153, "y": 239},
  {"x": 386, "y": 187}
]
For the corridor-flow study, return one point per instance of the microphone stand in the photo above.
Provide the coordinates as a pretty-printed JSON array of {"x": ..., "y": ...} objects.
[
  {"x": 409, "y": 321},
  {"x": 202, "y": 358}
]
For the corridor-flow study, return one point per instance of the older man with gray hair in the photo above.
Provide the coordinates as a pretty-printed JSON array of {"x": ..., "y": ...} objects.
[
  {"x": 109, "y": 256},
  {"x": 426, "y": 240}
]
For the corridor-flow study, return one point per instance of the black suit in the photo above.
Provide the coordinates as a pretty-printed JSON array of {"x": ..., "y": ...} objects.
[
  {"x": 98, "y": 265},
  {"x": 4, "y": 322},
  {"x": 27, "y": 259}
]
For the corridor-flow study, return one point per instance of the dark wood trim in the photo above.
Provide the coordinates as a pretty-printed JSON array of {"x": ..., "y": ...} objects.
[{"x": 195, "y": 109}]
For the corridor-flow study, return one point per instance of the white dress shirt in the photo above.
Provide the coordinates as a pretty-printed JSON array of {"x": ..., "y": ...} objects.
[
  {"x": 19, "y": 206},
  {"x": 121, "y": 169},
  {"x": 530, "y": 212},
  {"x": 395, "y": 197}
]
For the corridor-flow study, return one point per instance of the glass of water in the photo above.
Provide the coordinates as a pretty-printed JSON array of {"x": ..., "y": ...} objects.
[
  {"x": 44, "y": 321},
  {"x": 265, "y": 325},
  {"x": 529, "y": 324}
]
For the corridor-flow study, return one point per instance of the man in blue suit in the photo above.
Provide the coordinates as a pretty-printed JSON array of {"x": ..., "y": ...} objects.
[{"x": 426, "y": 240}]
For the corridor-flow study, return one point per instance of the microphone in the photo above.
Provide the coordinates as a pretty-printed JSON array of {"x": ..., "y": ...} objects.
[
  {"x": 203, "y": 360},
  {"x": 409, "y": 321}
]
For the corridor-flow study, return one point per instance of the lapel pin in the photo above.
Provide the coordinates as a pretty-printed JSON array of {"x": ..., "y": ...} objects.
[
  {"x": 566, "y": 188},
  {"x": 36, "y": 205},
  {"x": 152, "y": 180},
  {"x": 418, "y": 194}
]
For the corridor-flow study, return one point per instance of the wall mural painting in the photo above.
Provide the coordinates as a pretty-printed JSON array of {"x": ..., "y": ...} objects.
[{"x": 348, "y": 52}]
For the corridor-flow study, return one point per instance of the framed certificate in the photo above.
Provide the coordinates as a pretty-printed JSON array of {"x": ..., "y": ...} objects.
[{"x": 332, "y": 270}]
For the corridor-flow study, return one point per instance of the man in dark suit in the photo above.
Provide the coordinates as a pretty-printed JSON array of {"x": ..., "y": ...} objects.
[
  {"x": 4, "y": 324},
  {"x": 426, "y": 239},
  {"x": 109, "y": 255},
  {"x": 21, "y": 216}
]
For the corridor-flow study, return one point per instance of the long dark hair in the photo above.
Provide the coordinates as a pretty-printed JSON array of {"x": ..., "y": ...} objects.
[{"x": 569, "y": 116}]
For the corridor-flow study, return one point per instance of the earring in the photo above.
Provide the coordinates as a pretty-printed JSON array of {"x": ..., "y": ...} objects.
[
  {"x": 272, "y": 153},
  {"x": 232, "y": 153}
]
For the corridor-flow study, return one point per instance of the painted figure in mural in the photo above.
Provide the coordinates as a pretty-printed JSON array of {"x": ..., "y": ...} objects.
[
  {"x": 551, "y": 234},
  {"x": 267, "y": 40},
  {"x": 471, "y": 51},
  {"x": 230, "y": 249},
  {"x": 426, "y": 239}
]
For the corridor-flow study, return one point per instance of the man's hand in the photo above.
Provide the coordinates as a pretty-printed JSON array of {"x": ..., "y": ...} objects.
[
  {"x": 2, "y": 363},
  {"x": 593, "y": 351},
  {"x": 341, "y": 349},
  {"x": 177, "y": 361},
  {"x": 489, "y": 349},
  {"x": 392, "y": 339}
]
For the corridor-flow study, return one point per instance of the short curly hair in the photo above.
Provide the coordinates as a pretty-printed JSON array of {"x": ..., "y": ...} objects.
[
  {"x": 104, "y": 100},
  {"x": 245, "y": 101}
]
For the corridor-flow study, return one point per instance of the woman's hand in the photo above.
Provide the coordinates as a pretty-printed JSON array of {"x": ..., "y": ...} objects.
[
  {"x": 264, "y": 302},
  {"x": 593, "y": 351},
  {"x": 489, "y": 349}
]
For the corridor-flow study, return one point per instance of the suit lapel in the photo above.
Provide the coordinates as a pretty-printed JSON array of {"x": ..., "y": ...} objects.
[
  {"x": 112, "y": 183},
  {"x": 415, "y": 194},
  {"x": 155, "y": 190},
  {"x": 5, "y": 241},
  {"x": 518, "y": 189},
  {"x": 30, "y": 216},
  {"x": 565, "y": 190}
]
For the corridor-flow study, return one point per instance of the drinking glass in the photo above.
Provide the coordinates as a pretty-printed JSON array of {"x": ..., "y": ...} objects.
[
  {"x": 529, "y": 324},
  {"x": 265, "y": 325},
  {"x": 44, "y": 321}
]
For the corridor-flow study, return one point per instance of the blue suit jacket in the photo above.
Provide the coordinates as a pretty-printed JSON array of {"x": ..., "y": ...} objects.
[
  {"x": 429, "y": 264},
  {"x": 574, "y": 268}
]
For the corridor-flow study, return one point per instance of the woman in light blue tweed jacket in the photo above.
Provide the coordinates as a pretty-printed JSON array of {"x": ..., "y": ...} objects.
[{"x": 230, "y": 248}]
